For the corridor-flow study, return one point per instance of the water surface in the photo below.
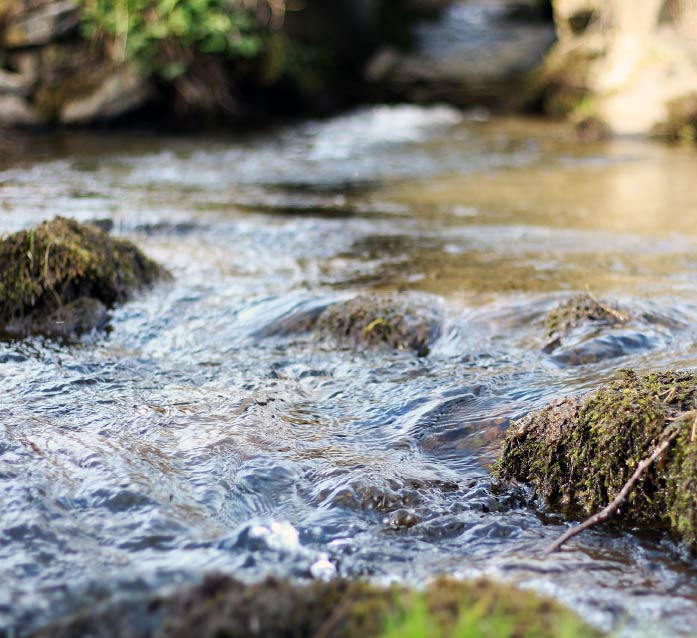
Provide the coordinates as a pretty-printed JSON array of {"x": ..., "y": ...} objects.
[{"x": 195, "y": 435}]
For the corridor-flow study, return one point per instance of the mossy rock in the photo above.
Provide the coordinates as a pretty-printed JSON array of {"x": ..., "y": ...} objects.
[
  {"x": 579, "y": 452},
  {"x": 47, "y": 270},
  {"x": 578, "y": 310},
  {"x": 222, "y": 607},
  {"x": 584, "y": 330},
  {"x": 401, "y": 321}
]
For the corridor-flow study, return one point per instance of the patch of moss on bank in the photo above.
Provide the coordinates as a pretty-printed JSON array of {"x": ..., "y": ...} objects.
[
  {"x": 224, "y": 608},
  {"x": 398, "y": 321},
  {"x": 579, "y": 452},
  {"x": 45, "y": 269}
]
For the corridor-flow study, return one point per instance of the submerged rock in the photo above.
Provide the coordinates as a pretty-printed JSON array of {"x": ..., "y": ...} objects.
[
  {"x": 579, "y": 452},
  {"x": 584, "y": 330},
  {"x": 579, "y": 310},
  {"x": 60, "y": 277},
  {"x": 221, "y": 606},
  {"x": 401, "y": 321}
]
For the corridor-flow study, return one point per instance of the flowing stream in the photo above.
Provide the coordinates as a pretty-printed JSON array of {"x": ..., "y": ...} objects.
[{"x": 200, "y": 433}]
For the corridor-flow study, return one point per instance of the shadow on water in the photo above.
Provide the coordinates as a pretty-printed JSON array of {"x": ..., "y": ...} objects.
[{"x": 211, "y": 429}]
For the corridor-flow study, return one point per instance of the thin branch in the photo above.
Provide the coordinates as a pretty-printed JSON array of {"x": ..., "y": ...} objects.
[
  {"x": 620, "y": 316},
  {"x": 609, "y": 511}
]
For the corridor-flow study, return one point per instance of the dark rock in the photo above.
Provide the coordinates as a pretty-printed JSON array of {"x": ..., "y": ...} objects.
[
  {"x": 579, "y": 452},
  {"x": 584, "y": 330},
  {"x": 403, "y": 321},
  {"x": 473, "y": 55},
  {"x": 576, "y": 311},
  {"x": 119, "y": 91},
  {"x": 71, "y": 320},
  {"x": 46, "y": 269}
]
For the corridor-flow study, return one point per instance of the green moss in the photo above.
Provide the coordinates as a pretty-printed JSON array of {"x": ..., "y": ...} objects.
[
  {"x": 399, "y": 321},
  {"x": 224, "y": 608},
  {"x": 60, "y": 261},
  {"x": 579, "y": 452},
  {"x": 480, "y": 608},
  {"x": 158, "y": 36}
]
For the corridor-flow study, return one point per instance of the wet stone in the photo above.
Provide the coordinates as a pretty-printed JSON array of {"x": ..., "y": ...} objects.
[
  {"x": 578, "y": 453},
  {"x": 72, "y": 319},
  {"x": 583, "y": 330},
  {"x": 401, "y": 321},
  {"x": 403, "y": 518},
  {"x": 361, "y": 495},
  {"x": 576, "y": 311},
  {"x": 59, "y": 277}
]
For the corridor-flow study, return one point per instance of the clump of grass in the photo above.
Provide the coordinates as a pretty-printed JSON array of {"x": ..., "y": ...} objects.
[{"x": 481, "y": 609}]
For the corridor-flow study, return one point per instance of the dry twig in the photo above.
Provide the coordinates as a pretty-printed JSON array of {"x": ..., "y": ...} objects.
[{"x": 620, "y": 316}]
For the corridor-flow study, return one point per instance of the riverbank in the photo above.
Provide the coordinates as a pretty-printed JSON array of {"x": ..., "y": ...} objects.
[
  {"x": 609, "y": 68},
  {"x": 70, "y": 63},
  {"x": 220, "y": 606}
]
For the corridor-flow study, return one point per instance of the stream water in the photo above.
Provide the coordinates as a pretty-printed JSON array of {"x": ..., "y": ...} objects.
[{"x": 197, "y": 434}]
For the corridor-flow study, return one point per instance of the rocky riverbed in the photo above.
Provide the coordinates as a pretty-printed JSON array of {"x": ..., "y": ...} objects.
[{"x": 216, "y": 423}]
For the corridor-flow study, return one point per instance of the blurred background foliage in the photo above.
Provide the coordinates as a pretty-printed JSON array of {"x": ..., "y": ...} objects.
[{"x": 158, "y": 35}]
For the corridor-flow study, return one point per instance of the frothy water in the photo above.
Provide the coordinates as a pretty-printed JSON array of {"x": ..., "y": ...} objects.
[{"x": 204, "y": 432}]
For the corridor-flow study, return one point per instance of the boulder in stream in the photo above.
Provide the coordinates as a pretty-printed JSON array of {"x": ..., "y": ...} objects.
[
  {"x": 402, "y": 321},
  {"x": 578, "y": 453},
  {"x": 60, "y": 277},
  {"x": 583, "y": 329},
  {"x": 582, "y": 309}
]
